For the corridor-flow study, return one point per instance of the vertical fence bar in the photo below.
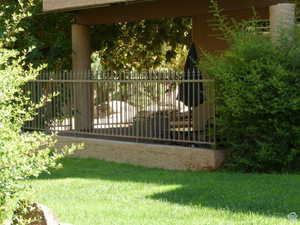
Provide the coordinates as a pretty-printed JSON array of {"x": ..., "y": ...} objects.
[{"x": 163, "y": 106}]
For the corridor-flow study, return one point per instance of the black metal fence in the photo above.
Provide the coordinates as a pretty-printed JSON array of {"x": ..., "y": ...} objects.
[{"x": 152, "y": 106}]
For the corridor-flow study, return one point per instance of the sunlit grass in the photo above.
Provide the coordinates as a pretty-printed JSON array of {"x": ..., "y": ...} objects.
[{"x": 92, "y": 192}]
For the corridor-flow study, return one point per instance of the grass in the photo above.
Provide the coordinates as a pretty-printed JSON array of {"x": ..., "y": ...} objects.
[{"x": 92, "y": 192}]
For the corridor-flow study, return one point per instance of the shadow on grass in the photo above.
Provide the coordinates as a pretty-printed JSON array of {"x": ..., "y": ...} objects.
[{"x": 272, "y": 195}]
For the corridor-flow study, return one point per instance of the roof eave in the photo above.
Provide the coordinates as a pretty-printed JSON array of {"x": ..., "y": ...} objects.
[{"x": 50, "y": 6}]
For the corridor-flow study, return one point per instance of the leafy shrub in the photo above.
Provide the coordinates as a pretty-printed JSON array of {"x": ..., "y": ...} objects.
[
  {"x": 258, "y": 98},
  {"x": 22, "y": 155}
]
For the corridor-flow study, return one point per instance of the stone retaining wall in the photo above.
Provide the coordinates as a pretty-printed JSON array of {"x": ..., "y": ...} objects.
[{"x": 148, "y": 155}]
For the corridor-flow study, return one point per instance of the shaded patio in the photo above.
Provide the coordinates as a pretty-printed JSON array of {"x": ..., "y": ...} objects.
[{"x": 152, "y": 109}]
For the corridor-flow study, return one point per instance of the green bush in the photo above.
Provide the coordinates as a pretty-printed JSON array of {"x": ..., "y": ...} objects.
[
  {"x": 258, "y": 98},
  {"x": 22, "y": 155}
]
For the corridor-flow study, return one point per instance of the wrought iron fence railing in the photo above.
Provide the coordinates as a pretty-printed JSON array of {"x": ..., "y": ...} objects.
[{"x": 167, "y": 107}]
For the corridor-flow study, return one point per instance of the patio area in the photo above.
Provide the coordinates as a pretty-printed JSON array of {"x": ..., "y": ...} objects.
[
  {"x": 164, "y": 107},
  {"x": 155, "y": 106}
]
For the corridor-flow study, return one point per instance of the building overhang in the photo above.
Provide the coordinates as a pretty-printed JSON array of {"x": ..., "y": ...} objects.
[
  {"x": 75, "y": 5},
  {"x": 90, "y": 12}
]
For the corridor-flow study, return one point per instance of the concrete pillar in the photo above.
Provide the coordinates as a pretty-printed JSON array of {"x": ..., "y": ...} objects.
[
  {"x": 81, "y": 63},
  {"x": 282, "y": 18},
  {"x": 81, "y": 47}
]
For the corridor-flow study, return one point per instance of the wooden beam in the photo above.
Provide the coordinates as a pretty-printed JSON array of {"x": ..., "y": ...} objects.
[{"x": 162, "y": 9}]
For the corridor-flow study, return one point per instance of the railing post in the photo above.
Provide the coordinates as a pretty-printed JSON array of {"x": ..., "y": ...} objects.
[
  {"x": 282, "y": 17},
  {"x": 81, "y": 59}
]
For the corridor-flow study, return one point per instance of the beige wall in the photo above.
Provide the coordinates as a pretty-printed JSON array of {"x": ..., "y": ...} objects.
[
  {"x": 208, "y": 39},
  {"x": 147, "y": 155}
]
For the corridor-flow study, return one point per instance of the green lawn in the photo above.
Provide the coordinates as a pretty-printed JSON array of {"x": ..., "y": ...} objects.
[{"x": 92, "y": 192}]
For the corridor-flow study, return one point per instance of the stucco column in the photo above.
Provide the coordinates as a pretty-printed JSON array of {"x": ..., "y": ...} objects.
[
  {"x": 81, "y": 63},
  {"x": 282, "y": 17}
]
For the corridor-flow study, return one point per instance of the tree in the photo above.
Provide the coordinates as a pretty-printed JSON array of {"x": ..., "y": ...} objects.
[
  {"x": 258, "y": 98},
  {"x": 22, "y": 155},
  {"x": 140, "y": 45},
  {"x": 143, "y": 45}
]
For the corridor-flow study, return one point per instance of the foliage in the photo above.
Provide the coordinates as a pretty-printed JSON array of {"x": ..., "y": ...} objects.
[
  {"x": 141, "y": 44},
  {"x": 49, "y": 33},
  {"x": 258, "y": 102},
  {"x": 22, "y": 155}
]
